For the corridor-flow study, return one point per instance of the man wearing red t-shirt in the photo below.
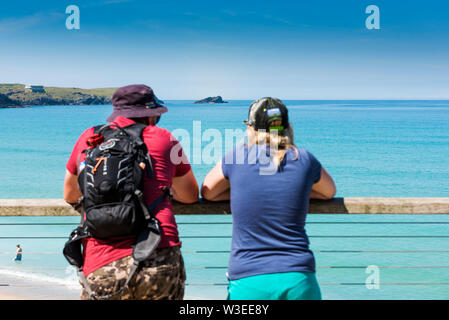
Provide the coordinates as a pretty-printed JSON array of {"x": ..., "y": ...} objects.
[{"x": 108, "y": 262}]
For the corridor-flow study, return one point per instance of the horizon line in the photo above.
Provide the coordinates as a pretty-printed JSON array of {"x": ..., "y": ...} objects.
[
  {"x": 252, "y": 99},
  {"x": 330, "y": 99}
]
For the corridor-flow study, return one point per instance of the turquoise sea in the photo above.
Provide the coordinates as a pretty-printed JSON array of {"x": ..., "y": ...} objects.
[{"x": 371, "y": 148}]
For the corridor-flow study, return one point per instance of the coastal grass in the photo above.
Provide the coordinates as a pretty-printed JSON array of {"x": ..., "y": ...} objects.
[
  {"x": 70, "y": 93},
  {"x": 57, "y": 92}
]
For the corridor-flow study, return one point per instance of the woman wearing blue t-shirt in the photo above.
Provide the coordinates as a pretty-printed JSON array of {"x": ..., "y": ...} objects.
[{"x": 269, "y": 182}]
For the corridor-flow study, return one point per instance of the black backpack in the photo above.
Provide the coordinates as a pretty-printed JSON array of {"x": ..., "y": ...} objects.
[{"x": 111, "y": 181}]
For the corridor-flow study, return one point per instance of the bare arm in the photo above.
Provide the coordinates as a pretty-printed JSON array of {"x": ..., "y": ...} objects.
[
  {"x": 71, "y": 189},
  {"x": 325, "y": 188},
  {"x": 215, "y": 186},
  {"x": 185, "y": 188}
]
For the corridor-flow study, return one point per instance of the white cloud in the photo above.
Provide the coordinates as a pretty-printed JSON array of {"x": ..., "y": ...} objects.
[{"x": 27, "y": 22}]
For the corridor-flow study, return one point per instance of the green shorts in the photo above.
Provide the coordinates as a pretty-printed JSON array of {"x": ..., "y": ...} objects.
[{"x": 276, "y": 286}]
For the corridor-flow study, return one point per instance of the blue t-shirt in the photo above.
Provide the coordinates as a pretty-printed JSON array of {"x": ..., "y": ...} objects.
[{"x": 269, "y": 208}]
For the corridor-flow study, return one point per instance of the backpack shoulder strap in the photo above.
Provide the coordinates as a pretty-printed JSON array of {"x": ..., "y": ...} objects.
[
  {"x": 135, "y": 129},
  {"x": 97, "y": 128}
]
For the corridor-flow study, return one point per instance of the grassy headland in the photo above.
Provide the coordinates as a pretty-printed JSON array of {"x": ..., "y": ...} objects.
[{"x": 16, "y": 96}]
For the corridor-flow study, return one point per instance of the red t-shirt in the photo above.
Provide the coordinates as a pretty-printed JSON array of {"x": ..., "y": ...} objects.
[{"x": 98, "y": 253}]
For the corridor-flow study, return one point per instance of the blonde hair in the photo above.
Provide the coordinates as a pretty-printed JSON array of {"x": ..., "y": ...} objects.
[{"x": 278, "y": 141}]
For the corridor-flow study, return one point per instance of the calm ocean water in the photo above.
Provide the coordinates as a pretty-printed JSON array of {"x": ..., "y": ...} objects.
[{"x": 371, "y": 148}]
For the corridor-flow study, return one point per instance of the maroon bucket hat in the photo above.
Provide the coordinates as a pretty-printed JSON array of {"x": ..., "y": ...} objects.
[{"x": 136, "y": 101}]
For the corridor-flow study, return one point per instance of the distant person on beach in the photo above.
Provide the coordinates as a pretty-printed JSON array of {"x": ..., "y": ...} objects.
[
  {"x": 269, "y": 182},
  {"x": 107, "y": 262},
  {"x": 18, "y": 256}
]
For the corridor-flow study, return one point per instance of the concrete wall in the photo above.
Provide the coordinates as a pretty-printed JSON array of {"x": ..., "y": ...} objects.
[{"x": 57, "y": 207}]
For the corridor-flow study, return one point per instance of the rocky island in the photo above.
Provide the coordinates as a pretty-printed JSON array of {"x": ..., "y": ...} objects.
[
  {"x": 216, "y": 99},
  {"x": 21, "y": 96}
]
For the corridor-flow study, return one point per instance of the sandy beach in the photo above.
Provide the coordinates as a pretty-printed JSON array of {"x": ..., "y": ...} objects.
[
  {"x": 19, "y": 288},
  {"x": 9, "y": 297}
]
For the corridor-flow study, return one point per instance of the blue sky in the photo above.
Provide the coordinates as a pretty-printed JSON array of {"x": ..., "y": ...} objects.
[{"x": 237, "y": 49}]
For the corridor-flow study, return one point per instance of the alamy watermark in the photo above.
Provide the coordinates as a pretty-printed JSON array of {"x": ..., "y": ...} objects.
[
  {"x": 209, "y": 146},
  {"x": 72, "y": 22},
  {"x": 373, "y": 20},
  {"x": 373, "y": 280}
]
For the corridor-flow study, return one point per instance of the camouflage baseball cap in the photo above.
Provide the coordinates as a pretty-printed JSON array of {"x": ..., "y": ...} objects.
[{"x": 269, "y": 114}]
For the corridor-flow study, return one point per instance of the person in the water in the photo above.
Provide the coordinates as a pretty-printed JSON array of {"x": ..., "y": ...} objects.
[{"x": 18, "y": 256}]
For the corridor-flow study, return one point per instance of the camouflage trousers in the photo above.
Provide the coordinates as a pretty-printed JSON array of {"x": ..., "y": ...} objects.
[{"x": 161, "y": 277}]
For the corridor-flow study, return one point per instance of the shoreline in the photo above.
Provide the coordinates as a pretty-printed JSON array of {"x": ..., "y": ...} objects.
[
  {"x": 21, "y": 288},
  {"x": 9, "y": 297}
]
